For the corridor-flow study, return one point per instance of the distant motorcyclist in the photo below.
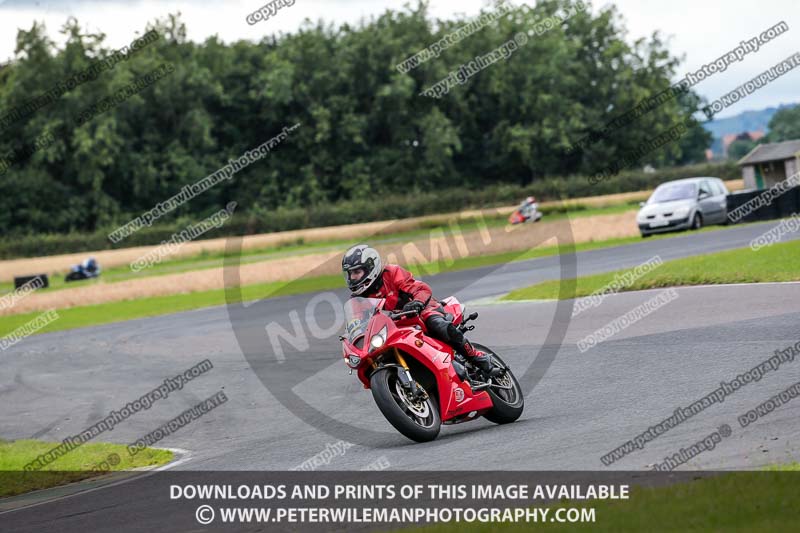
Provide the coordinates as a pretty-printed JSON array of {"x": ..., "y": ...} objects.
[
  {"x": 91, "y": 267},
  {"x": 366, "y": 277},
  {"x": 529, "y": 207},
  {"x": 88, "y": 269}
]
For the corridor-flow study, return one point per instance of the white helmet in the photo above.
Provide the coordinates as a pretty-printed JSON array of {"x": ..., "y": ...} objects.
[{"x": 361, "y": 257}]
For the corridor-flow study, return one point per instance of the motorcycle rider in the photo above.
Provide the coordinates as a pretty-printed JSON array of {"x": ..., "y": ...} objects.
[
  {"x": 91, "y": 268},
  {"x": 528, "y": 207},
  {"x": 366, "y": 276}
]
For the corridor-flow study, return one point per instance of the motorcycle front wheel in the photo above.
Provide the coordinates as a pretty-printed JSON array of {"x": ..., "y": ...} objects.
[{"x": 417, "y": 419}]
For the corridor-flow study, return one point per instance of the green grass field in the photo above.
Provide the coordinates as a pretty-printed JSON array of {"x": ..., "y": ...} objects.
[
  {"x": 75, "y": 465},
  {"x": 745, "y": 501},
  {"x": 76, "y": 317},
  {"x": 779, "y": 262},
  {"x": 206, "y": 260}
]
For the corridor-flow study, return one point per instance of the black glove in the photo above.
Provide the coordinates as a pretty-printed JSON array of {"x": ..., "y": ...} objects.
[{"x": 414, "y": 305}]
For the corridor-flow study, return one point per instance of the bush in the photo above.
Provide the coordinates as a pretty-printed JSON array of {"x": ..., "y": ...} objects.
[{"x": 261, "y": 220}]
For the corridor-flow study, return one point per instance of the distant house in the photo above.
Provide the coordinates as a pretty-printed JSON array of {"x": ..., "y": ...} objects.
[
  {"x": 768, "y": 164},
  {"x": 727, "y": 140}
]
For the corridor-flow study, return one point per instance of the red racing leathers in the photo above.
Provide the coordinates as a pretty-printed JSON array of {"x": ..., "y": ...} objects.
[{"x": 399, "y": 287}]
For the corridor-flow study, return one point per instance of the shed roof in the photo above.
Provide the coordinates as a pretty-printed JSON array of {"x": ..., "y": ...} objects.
[{"x": 771, "y": 152}]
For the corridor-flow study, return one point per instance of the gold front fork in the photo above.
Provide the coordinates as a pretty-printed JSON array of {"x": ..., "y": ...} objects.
[
  {"x": 414, "y": 385},
  {"x": 400, "y": 358}
]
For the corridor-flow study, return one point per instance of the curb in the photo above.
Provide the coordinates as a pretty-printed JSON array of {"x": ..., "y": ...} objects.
[{"x": 39, "y": 497}]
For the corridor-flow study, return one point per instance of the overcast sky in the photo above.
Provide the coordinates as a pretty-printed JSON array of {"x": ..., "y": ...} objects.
[{"x": 700, "y": 30}]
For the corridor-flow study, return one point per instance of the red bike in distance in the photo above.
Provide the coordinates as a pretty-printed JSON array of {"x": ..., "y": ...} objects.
[{"x": 418, "y": 382}]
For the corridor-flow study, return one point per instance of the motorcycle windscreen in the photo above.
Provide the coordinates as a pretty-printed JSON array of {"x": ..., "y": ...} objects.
[{"x": 357, "y": 313}]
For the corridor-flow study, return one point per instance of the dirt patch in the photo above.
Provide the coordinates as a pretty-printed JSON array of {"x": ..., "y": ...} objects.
[
  {"x": 436, "y": 246},
  {"x": 59, "y": 264}
]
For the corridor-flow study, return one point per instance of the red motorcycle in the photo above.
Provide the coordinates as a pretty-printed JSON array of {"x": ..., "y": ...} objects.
[{"x": 417, "y": 381}]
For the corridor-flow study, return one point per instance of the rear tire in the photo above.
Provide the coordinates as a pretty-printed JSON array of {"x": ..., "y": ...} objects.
[
  {"x": 507, "y": 405},
  {"x": 405, "y": 418}
]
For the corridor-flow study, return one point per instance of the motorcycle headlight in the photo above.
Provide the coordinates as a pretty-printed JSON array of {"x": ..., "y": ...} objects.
[
  {"x": 681, "y": 212},
  {"x": 378, "y": 339},
  {"x": 353, "y": 360}
]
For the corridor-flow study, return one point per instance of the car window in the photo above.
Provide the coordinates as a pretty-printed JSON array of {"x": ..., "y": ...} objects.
[
  {"x": 705, "y": 187},
  {"x": 669, "y": 192},
  {"x": 719, "y": 187}
]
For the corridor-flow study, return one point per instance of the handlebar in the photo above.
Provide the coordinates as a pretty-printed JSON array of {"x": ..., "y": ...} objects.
[{"x": 401, "y": 314}]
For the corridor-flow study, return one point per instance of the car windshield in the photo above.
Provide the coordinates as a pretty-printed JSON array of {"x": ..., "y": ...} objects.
[
  {"x": 357, "y": 313},
  {"x": 674, "y": 191}
]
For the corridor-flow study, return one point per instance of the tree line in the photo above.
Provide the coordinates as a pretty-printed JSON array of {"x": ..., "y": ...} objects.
[{"x": 367, "y": 132}]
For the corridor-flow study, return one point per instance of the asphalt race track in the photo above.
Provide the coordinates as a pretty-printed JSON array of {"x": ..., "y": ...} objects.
[{"x": 586, "y": 404}]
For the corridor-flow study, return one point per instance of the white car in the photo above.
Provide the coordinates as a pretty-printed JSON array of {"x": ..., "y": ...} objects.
[{"x": 684, "y": 204}]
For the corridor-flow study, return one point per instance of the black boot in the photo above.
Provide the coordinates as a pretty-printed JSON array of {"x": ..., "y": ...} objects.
[{"x": 482, "y": 360}]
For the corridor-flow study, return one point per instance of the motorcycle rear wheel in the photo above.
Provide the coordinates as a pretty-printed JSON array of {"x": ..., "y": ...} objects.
[{"x": 418, "y": 420}]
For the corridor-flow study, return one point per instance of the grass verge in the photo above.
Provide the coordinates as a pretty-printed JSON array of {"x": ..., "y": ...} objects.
[
  {"x": 94, "y": 315},
  {"x": 778, "y": 262},
  {"x": 73, "y": 466},
  {"x": 739, "y": 501},
  {"x": 216, "y": 259}
]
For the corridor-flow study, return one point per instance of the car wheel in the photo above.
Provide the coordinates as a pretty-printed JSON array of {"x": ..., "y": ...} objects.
[
  {"x": 645, "y": 235},
  {"x": 697, "y": 221}
]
